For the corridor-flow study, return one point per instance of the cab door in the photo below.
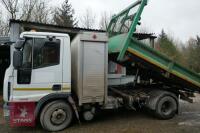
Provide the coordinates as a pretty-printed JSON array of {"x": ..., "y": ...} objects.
[{"x": 41, "y": 71}]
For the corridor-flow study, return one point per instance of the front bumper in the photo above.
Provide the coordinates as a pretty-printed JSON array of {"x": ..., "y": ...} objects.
[{"x": 19, "y": 114}]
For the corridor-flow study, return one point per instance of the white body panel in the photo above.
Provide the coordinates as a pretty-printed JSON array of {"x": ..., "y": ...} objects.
[
  {"x": 8, "y": 79},
  {"x": 89, "y": 67},
  {"x": 42, "y": 79}
]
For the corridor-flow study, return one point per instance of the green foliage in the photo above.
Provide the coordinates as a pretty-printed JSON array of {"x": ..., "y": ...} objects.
[
  {"x": 192, "y": 53},
  {"x": 188, "y": 55},
  {"x": 64, "y": 16},
  {"x": 167, "y": 46}
]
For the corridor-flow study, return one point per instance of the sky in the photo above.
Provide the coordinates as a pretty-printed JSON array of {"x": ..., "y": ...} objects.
[{"x": 179, "y": 18}]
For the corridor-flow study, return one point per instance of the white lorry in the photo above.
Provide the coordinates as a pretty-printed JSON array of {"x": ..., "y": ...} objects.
[
  {"x": 53, "y": 80},
  {"x": 59, "y": 79}
]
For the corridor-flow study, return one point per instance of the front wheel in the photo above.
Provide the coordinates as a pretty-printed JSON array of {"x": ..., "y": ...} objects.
[
  {"x": 166, "y": 108},
  {"x": 56, "y": 116}
]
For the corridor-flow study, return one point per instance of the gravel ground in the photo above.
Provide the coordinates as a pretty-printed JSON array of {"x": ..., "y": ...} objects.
[{"x": 126, "y": 121}]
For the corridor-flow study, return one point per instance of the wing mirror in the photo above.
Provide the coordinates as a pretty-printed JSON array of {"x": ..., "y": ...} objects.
[
  {"x": 19, "y": 44},
  {"x": 17, "y": 59}
]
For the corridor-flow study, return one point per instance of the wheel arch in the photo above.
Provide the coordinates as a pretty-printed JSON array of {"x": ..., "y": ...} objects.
[{"x": 49, "y": 98}]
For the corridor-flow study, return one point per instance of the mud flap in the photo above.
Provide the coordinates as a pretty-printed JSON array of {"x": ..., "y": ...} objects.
[
  {"x": 22, "y": 114},
  {"x": 73, "y": 104}
]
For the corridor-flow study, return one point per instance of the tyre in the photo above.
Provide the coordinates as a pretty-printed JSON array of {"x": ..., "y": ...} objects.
[
  {"x": 56, "y": 116},
  {"x": 166, "y": 108}
]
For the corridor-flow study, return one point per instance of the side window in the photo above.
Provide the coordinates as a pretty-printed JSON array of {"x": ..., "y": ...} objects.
[
  {"x": 46, "y": 53},
  {"x": 24, "y": 73},
  {"x": 27, "y": 54}
]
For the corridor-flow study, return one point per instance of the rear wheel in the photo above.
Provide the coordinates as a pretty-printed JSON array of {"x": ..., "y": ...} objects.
[
  {"x": 166, "y": 108},
  {"x": 56, "y": 116}
]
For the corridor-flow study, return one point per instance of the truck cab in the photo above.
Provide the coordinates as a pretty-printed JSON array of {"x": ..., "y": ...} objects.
[{"x": 44, "y": 67}]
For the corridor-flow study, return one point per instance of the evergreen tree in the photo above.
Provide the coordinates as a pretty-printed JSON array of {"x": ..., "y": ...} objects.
[
  {"x": 193, "y": 54},
  {"x": 64, "y": 16},
  {"x": 167, "y": 46},
  {"x": 198, "y": 40},
  {"x": 163, "y": 35}
]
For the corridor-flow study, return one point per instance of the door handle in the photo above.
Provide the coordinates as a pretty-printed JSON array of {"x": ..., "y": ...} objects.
[{"x": 56, "y": 87}]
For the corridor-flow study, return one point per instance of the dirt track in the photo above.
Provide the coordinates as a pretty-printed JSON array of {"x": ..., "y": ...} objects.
[{"x": 126, "y": 121}]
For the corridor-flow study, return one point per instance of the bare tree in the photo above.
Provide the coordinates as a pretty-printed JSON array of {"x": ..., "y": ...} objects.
[
  {"x": 35, "y": 10},
  {"x": 88, "y": 19},
  {"x": 27, "y": 9},
  {"x": 4, "y": 27},
  {"x": 104, "y": 20},
  {"x": 11, "y": 7},
  {"x": 41, "y": 12}
]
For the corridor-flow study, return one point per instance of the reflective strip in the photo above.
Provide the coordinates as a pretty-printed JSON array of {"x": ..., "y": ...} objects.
[
  {"x": 36, "y": 89},
  {"x": 32, "y": 89},
  {"x": 66, "y": 87}
]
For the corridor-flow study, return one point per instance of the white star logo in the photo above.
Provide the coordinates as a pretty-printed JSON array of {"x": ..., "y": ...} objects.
[{"x": 23, "y": 112}]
